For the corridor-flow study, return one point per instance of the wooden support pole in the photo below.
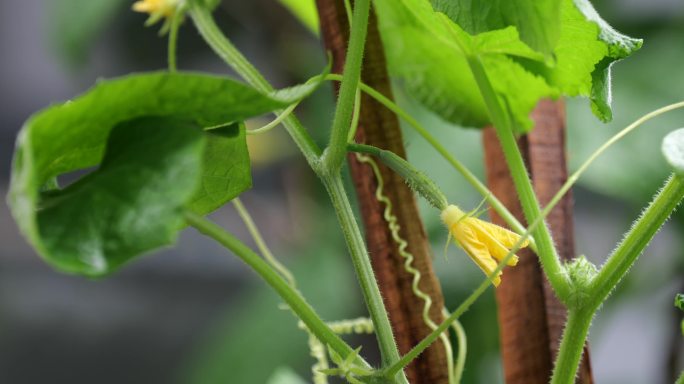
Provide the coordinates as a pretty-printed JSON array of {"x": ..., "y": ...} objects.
[
  {"x": 380, "y": 127},
  {"x": 530, "y": 316}
]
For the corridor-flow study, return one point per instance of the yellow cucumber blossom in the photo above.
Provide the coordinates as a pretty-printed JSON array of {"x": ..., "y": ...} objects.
[
  {"x": 485, "y": 243},
  {"x": 157, "y": 9}
]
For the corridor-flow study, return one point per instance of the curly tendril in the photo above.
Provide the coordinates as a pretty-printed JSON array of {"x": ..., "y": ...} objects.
[{"x": 394, "y": 228}]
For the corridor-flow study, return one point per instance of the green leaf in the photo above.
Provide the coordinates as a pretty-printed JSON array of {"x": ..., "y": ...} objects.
[
  {"x": 225, "y": 170},
  {"x": 673, "y": 149},
  {"x": 429, "y": 52},
  {"x": 131, "y": 204},
  {"x": 537, "y": 21},
  {"x": 585, "y": 53},
  {"x": 73, "y": 38},
  {"x": 73, "y": 136},
  {"x": 305, "y": 11}
]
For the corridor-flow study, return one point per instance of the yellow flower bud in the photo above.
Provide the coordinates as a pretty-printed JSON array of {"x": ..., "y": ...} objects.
[
  {"x": 157, "y": 9},
  {"x": 485, "y": 243}
]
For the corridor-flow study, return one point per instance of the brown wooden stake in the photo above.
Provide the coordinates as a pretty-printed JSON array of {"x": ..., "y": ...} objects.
[
  {"x": 530, "y": 317},
  {"x": 380, "y": 127}
]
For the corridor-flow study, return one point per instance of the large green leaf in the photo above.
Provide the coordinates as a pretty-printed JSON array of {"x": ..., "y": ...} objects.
[
  {"x": 538, "y": 21},
  {"x": 131, "y": 204},
  {"x": 73, "y": 136},
  {"x": 429, "y": 52}
]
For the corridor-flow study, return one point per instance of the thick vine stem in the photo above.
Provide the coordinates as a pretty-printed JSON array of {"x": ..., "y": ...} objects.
[
  {"x": 296, "y": 302},
  {"x": 547, "y": 252},
  {"x": 335, "y": 153},
  {"x": 582, "y": 311},
  {"x": 364, "y": 272},
  {"x": 636, "y": 240},
  {"x": 572, "y": 345}
]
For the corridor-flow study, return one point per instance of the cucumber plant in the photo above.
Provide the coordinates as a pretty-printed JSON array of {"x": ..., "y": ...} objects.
[{"x": 169, "y": 147}]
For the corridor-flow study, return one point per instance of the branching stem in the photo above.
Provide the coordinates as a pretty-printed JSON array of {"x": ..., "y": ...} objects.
[
  {"x": 548, "y": 255},
  {"x": 296, "y": 302}
]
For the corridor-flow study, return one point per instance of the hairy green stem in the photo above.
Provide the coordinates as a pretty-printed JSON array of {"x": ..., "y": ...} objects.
[
  {"x": 572, "y": 346},
  {"x": 582, "y": 168},
  {"x": 335, "y": 153},
  {"x": 634, "y": 242},
  {"x": 547, "y": 252},
  {"x": 296, "y": 302},
  {"x": 364, "y": 271},
  {"x": 415, "y": 179},
  {"x": 615, "y": 268}
]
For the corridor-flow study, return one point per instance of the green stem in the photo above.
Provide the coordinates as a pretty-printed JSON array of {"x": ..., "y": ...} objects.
[
  {"x": 415, "y": 179},
  {"x": 462, "y": 351},
  {"x": 227, "y": 51},
  {"x": 274, "y": 123},
  {"x": 634, "y": 242},
  {"x": 335, "y": 153},
  {"x": 173, "y": 40},
  {"x": 615, "y": 268},
  {"x": 462, "y": 169},
  {"x": 572, "y": 345},
  {"x": 261, "y": 244},
  {"x": 547, "y": 252},
  {"x": 364, "y": 272},
  {"x": 296, "y": 302}
]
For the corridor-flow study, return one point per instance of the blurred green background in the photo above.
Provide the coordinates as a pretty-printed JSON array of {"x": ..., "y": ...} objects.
[{"x": 195, "y": 315}]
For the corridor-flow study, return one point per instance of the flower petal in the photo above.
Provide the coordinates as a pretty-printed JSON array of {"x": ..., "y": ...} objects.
[
  {"x": 507, "y": 238},
  {"x": 485, "y": 233},
  {"x": 477, "y": 250}
]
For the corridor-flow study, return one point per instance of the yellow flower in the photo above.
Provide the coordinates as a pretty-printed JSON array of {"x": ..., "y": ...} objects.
[
  {"x": 485, "y": 243},
  {"x": 156, "y": 8}
]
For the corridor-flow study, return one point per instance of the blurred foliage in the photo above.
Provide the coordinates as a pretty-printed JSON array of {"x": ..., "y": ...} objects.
[
  {"x": 72, "y": 39},
  {"x": 305, "y": 11}
]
